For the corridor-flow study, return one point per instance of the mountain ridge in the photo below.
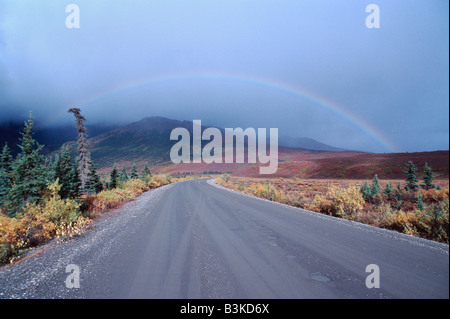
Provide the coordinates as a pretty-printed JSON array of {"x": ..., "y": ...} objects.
[{"x": 147, "y": 142}]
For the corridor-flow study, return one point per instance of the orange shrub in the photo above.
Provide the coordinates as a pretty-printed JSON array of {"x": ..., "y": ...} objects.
[
  {"x": 38, "y": 223},
  {"x": 342, "y": 202},
  {"x": 434, "y": 195},
  {"x": 159, "y": 180}
]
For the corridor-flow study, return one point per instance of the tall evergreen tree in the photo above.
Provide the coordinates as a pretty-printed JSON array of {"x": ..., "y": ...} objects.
[
  {"x": 419, "y": 202},
  {"x": 113, "y": 178},
  {"x": 75, "y": 183},
  {"x": 123, "y": 177},
  {"x": 134, "y": 174},
  {"x": 388, "y": 190},
  {"x": 93, "y": 183},
  {"x": 399, "y": 191},
  {"x": 83, "y": 152},
  {"x": 6, "y": 158},
  {"x": 63, "y": 171},
  {"x": 49, "y": 169},
  {"x": 427, "y": 178},
  {"x": 5, "y": 173},
  {"x": 366, "y": 191},
  {"x": 27, "y": 172},
  {"x": 375, "y": 188},
  {"x": 4, "y": 186},
  {"x": 411, "y": 179},
  {"x": 146, "y": 172}
]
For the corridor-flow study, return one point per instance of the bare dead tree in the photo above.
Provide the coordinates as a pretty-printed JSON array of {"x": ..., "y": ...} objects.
[{"x": 84, "y": 157}]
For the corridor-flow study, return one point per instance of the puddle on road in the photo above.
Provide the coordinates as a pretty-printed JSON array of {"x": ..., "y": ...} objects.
[{"x": 291, "y": 257}]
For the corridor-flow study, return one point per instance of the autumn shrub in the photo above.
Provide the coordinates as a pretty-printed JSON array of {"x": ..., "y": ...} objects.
[
  {"x": 342, "y": 202},
  {"x": 108, "y": 200},
  {"x": 222, "y": 180},
  {"x": 159, "y": 180},
  {"x": 323, "y": 205},
  {"x": 44, "y": 219},
  {"x": 12, "y": 237},
  {"x": 266, "y": 191},
  {"x": 38, "y": 223},
  {"x": 297, "y": 200},
  {"x": 435, "y": 195},
  {"x": 111, "y": 199},
  {"x": 433, "y": 221}
]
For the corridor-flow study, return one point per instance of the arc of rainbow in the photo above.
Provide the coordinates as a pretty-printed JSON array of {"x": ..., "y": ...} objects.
[{"x": 271, "y": 84}]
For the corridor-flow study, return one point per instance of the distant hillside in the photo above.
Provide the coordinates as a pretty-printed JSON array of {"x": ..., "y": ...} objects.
[
  {"x": 354, "y": 165},
  {"x": 307, "y": 144},
  {"x": 143, "y": 141},
  {"x": 51, "y": 137},
  {"x": 147, "y": 141}
]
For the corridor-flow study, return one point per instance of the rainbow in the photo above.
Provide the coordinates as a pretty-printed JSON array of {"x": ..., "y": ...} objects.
[{"x": 287, "y": 88}]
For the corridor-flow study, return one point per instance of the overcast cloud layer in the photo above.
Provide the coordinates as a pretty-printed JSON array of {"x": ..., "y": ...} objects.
[{"x": 215, "y": 59}]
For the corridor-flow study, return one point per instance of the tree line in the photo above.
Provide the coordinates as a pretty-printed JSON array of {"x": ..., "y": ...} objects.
[
  {"x": 412, "y": 184},
  {"x": 25, "y": 177}
]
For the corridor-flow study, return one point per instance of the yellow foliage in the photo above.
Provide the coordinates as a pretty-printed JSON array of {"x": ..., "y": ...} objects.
[
  {"x": 111, "y": 199},
  {"x": 38, "y": 223},
  {"x": 267, "y": 191},
  {"x": 44, "y": 219},
  {"x": 435, "y": 195},
  {"x": 342, "y": 202},
  {"x": 156, "y": 181},
  {"x": 323, "y": 204}
]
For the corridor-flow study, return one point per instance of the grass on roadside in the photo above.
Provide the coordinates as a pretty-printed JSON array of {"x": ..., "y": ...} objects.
[
  {"x": 63, "y": 219},
  {"x": 423, "y": 214}
]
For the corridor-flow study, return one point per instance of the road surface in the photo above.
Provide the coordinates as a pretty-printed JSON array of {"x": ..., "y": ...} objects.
[{"x": 194, "y": 239}]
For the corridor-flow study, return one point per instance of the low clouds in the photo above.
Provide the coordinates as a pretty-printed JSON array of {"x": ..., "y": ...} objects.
[{"x": 395, "y": 79}]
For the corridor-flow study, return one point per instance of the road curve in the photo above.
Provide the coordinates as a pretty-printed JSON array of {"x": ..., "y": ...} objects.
[{"x": 195, "y": 240}]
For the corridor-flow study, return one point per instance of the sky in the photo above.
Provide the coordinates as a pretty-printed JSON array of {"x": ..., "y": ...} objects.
[{"x": 311, "y": 68}]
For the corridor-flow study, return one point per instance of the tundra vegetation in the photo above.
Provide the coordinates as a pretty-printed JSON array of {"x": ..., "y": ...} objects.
[
  {"x": 57, "y": 197},
  {"x": 410, "y": 207}
]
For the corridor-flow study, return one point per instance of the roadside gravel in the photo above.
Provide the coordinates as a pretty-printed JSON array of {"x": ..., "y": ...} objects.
[{"x": 41, "y": 273}]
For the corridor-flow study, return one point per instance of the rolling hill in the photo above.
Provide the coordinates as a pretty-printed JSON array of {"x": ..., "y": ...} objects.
[{"x": 147, "y": 141}]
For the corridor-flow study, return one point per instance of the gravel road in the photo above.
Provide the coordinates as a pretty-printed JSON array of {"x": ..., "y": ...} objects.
[{"x": 195, "y": 240}]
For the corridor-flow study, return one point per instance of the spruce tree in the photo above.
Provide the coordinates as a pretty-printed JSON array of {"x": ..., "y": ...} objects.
[
  {"x": 5, "y": 173},
  {"x": 75, "y": 183},
  {"x": 366, "y": 191},
  {"x": 49, "y": 169},
  {"x": 4, "y": 186},
  {"x": 28, "y": 176},
  {"x": 146, "y": 172},
  {"x": 375, "y": 188},
  {"x": 63, "y": 171},
  {"x": 83, "y": 152},
  {"x": 93, "y": 183},
  {"x": 411, "y": 179},
  {"x": 123, "y": 177},
  {"x": 427, "y": 178},
  {"x": 6, "y": 158},
  {"x": 419, "y": 202},
  {"x": 134, "y": 173},
  {"x": 113, "y": 178},
  {"x": 388, "y": 190},
  {"x": 399, "y": 191}
]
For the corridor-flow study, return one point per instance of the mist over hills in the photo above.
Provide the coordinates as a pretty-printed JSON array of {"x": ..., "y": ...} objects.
[
  {"x": 137, "y": 137},
  {"x": 51, "y": 137},
  {"x": 147, "y": 141}
]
